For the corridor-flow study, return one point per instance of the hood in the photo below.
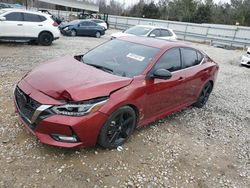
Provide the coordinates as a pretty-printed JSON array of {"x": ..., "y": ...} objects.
[
  {"x": 121, "y": 34},
  {"x": 68, "y": 79}
]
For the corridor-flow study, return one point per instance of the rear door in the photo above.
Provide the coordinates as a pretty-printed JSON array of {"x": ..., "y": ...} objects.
[
  {"x": 165, "y": 34},
  {"x": 33, "y": 24},
  {"x": 194, "y": 71},
  {"x": 155, "y": 33},
  {"x": 12, "y": 26},
  {"x": 83, "y": 28}
]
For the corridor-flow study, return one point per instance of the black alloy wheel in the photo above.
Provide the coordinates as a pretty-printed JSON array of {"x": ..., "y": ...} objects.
[
  {"x": 118, "y": 128},
  {"x": 45, "y": 39},
  {"x": 204, "y": 95}
]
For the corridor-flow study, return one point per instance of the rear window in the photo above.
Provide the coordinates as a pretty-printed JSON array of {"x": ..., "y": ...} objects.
[
  {"x": 31, "y": 17},
  {"x": 165, "y": 33},
  {"x": 189, "y": 57}
]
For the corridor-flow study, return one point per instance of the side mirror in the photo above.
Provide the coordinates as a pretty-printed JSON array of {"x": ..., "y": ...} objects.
[
  {"x": 2, "y": 18},
  {"x": 152, "y": 35},
  {"x": 78, "y": 25},
  {"x": 162, "y": 74},
  {"x": 79, "y": 57}
]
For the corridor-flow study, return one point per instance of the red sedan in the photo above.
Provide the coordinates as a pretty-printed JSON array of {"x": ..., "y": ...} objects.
[{"x": 102, "y": 96}]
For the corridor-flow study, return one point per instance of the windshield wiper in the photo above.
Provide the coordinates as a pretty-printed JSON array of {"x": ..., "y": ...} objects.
[{"x": 106, "y": 69}]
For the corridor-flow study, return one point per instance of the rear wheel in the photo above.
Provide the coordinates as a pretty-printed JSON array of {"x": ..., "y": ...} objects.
[
  {"x": 45, "y": 39},
  {"x": 204, "y": 95},
  {"x": 98, "y": 34},
  {"x": 118, "y": 128}
]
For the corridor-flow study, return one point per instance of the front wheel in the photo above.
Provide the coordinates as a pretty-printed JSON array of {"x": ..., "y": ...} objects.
[
  {"x": 204, "y": 95},
  {"x": 118, "y": 128},
  {"x": 73, "y": 33}
]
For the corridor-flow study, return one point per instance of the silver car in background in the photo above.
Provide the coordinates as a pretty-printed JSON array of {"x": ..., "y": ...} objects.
[{"x": 147, "y": 31}]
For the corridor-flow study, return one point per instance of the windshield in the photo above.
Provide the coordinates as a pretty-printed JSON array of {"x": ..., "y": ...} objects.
[
  {"x": 121, "y": 58},
  {"x": 2, "y": 11},
  {"x": 138, "y": 30}
]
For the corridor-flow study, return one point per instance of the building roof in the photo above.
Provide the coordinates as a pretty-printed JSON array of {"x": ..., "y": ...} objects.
[{"x": 74, "y": 4}]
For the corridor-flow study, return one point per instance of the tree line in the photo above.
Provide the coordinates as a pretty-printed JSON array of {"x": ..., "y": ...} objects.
[{"x": 235, "y": 13}]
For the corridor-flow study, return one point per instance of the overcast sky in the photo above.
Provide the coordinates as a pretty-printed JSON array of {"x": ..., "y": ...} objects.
[{"x": 131, "y": 2}]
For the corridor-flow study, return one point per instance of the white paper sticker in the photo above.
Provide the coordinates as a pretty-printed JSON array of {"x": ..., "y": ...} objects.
[{"x": 135, "y": 57}]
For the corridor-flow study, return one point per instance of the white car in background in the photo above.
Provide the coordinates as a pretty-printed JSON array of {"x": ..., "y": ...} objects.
[
  {"x": 147, "y": 31},
  {"x": 245, "y": 60},
  {"x": 17, "y": 24},
  {"x": 101, "y": 23}
]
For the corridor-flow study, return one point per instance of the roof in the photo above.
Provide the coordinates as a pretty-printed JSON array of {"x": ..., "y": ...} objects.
[
  {"x": 153, "y": 42},
  {"x": 25, "y": 11},
  {"x": 74, "y": 4},
  {"x": 153, "y": 26}
]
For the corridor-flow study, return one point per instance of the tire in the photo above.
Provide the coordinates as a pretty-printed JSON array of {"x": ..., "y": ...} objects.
[
  {"x": 45, "y": 39},
  {"x": 204, "y": 95},
  {"x": 97, "y": 34},
  {"x": 73, "y": 33},
  {"x": 119, "y": 126}
]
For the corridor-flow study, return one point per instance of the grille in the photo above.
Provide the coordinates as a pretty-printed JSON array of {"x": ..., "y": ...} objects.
[{"x": 26, "y": 106}]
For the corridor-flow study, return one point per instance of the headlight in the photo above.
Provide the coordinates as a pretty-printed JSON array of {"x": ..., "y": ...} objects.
[
  {"x": 66, "y": 28},
  {"x": 81, "y": 108}
]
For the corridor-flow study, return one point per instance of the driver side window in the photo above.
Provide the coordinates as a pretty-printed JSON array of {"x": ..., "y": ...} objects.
[{"x": 170, "y": 60}]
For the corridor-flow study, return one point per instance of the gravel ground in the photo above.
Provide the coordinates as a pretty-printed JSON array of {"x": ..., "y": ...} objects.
[{"x": 207, "y": 147}]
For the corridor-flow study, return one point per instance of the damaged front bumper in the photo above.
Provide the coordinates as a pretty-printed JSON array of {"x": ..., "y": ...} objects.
[{"x": 53, "y": 129}]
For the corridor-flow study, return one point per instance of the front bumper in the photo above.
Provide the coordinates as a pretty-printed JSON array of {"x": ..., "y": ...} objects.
[
  {"x": 245, "y": 60},
  {"x": 85, "y": 128},
  {"x": 65, "y": 32}
]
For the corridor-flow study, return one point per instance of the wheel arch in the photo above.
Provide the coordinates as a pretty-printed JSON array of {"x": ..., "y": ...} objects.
[{"x": 46, "y": 31}]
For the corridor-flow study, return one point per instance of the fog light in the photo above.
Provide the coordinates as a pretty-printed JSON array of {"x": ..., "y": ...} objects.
[{"x": 64, "y": 138}]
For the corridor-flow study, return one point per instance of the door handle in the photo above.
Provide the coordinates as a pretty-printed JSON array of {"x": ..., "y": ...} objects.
[
  {"x": 19, "y": 24},
  {"x": 40, "y": 25},
  {"x": 206, "y": 71},
  {"x": 180, "y": 79}
]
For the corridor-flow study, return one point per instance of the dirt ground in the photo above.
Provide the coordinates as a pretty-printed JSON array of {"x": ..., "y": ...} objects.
[{"x": 201, "y": 148}]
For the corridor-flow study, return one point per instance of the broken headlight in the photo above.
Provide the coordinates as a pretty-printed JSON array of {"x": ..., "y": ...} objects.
[{"x": 80, "y": 108}]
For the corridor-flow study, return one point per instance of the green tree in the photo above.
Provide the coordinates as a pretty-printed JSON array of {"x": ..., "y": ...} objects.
[
  {"x": 203, "y": 14},
  {"x": 150, "y": 11}
]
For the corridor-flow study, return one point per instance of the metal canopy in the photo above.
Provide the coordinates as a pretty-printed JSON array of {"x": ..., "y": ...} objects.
[{"x": 74, "y": 4}]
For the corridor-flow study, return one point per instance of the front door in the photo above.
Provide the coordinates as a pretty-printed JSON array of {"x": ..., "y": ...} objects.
[
  {"x": 165, "y": 95},
  {"x": 12, "y": 26}
]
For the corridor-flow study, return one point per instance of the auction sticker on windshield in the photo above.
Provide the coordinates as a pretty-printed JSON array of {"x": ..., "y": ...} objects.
[{"x": 135, "y": 57}]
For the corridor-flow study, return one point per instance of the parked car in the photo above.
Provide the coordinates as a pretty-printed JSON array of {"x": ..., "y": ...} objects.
[
  {"x": 101, "y": 23},
  {"x": 5, "y": 5},
  {"x": 147, "y": 31},
  {"x": 102, "y": 96},
  {"x": 27, "y": 25},
  {"x": 245, "y": 60},
  {"x": 82, "y": 28}
]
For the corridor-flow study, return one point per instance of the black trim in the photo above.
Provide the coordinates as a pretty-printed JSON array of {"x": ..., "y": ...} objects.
[{"x": 17, "y": 38}]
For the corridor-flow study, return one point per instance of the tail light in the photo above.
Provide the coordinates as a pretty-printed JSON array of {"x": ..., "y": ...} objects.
[{"x": 55, "y": 24}]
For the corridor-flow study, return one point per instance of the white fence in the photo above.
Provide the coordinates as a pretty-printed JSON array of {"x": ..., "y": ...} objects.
[{"x": 236, "y": 36}]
